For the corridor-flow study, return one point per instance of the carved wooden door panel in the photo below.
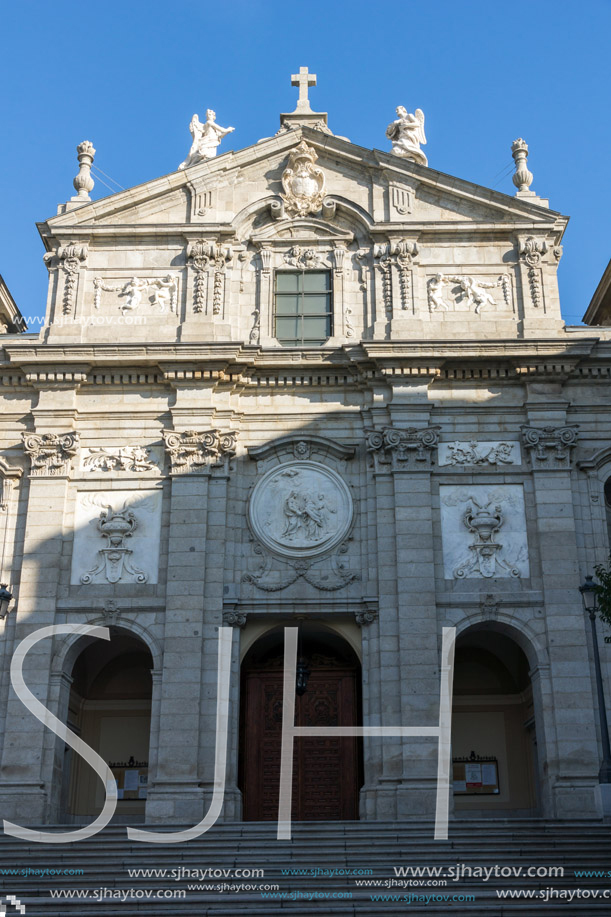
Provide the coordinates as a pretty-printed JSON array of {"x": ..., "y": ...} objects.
[{"x": 325, "y": 770}]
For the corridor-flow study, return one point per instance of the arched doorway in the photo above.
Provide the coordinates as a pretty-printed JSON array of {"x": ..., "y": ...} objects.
[
  {"x": 327, "y": 772},
  {"x": 494, "y": 744},
  {"x": 109, "y": 709}
]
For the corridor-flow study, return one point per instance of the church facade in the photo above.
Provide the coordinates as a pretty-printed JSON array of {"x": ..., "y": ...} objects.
[{"x": 311, "y": 385}]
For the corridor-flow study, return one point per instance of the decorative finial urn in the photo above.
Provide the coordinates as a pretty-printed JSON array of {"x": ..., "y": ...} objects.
[
  {"x": 83, "y": 183},
  {"x": 522, "y": 178}
]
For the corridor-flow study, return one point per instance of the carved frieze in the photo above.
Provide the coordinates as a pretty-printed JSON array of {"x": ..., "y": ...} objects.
[
  {"x": 409, "y": 449},
  {"x": 484, "y": 532},
  {"x": 50, "y": 453},
  {"x": 302, "y": 182},
  {"x": 126, "y": 458},
  {"x": 197, "y": 453},
  {"x": 479, "y": 453},
  {"x": 159, "y": 294},
  {"x": 550, "y": 447},
  {"x": 465, "y": 293},
  {"x": 116, "y": 537}
]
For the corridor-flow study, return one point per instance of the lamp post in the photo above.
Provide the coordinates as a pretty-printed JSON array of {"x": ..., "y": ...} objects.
[
  {"x": 588, "y": 594},
  {"x": 6, "y": 598}
]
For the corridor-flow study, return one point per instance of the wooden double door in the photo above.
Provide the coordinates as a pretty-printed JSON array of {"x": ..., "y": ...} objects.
[{"x": 326, "y": 771}]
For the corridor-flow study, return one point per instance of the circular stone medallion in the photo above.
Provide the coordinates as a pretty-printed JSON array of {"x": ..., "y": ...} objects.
[{"x": 300, "y": 509}]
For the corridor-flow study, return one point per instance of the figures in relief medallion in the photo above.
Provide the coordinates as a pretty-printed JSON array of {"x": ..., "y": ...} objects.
[
  {"x": 206, "y": 138},
  {"x": 407, "y": 134}
]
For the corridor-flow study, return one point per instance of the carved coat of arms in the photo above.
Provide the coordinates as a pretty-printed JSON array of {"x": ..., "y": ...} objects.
[{"x": 303, "y": 183}]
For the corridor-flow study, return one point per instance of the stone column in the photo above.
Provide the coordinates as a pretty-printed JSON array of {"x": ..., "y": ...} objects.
[
  {"x": 213, "y": 619},
  {"x": 27, "y": 770},
  {"x": 176, "y": 794},
  {"x": 403, "y": 780},
  {"x": 572, "y": 761}
]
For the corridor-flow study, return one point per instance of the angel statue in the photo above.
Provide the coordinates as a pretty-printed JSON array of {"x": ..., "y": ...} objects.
[
  {"x": 206, "y": 138},
  {"x": 407, "y": 133}
]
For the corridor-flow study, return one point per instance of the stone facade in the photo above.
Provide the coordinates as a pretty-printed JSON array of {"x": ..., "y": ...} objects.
[{"x": 439, "y": 461}]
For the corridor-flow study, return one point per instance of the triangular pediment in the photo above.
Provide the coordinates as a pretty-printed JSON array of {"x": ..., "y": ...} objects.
[{"x": 383, "y": 191}]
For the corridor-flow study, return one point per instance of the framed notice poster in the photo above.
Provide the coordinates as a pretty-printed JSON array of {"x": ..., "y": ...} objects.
[{"x": 475, "y": 775}]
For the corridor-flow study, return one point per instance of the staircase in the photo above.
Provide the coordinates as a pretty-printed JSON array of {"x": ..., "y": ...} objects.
[{"x": 375, "y": 846}]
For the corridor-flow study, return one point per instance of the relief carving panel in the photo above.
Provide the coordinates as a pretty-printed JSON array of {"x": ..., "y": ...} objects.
[
  {"x": 116, "y": 537},
  {"x": 302, "y": 509},
  {"x": 483, "y": 532}
]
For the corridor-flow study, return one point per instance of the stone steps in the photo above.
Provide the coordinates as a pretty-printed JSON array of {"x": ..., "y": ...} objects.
[{"x": 376, "y": 845}]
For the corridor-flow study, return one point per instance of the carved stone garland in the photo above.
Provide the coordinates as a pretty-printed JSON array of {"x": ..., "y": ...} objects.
[
  {"x": 531, "y": 252},
  {"x": 50, "y": 453},
  {"x": 203, "y": 256},
  {"x": 71, "y": 258},
  {"x": 398, "y": 254}
]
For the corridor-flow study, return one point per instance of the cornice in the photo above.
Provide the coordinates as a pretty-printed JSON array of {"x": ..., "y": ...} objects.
[{"x": 236, "y": 367}]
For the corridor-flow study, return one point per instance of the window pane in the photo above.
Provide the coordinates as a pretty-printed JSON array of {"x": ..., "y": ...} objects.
[
  {"x": 318, "y": 304},
  {"x": 287, "y": 281},
  {"x": 287, "y": 329},
  {"x": 287, "y": 304},
  {"x": 316, "y": 281},
  {"x": 315, "y": 329}
]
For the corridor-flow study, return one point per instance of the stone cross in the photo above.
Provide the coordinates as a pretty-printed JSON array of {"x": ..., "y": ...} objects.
[{"x": 304, "y": 80}]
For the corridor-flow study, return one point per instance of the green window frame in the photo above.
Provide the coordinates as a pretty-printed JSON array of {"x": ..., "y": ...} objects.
[{"x": 303, "y": 308}]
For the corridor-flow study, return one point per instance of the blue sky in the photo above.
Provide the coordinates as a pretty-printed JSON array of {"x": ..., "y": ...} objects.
[{"x": 129, "y": 77}]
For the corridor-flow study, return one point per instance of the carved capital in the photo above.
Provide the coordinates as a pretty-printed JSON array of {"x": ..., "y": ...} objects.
[
  {"x": 235, "y": 618},
  {"x": 366, "y": 615},
  {"x": 197, "y": 453},
  {"x": 50, "y": 453},
  {"x": 550, "y": 447},
  {"x": 411, "y": 449}
]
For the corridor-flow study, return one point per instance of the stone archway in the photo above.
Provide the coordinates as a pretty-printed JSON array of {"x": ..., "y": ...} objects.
[
  {"x": 110, "y": 709},
  {"x": 493, "y": 719},
  {"x": 327, "y": 772}
]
